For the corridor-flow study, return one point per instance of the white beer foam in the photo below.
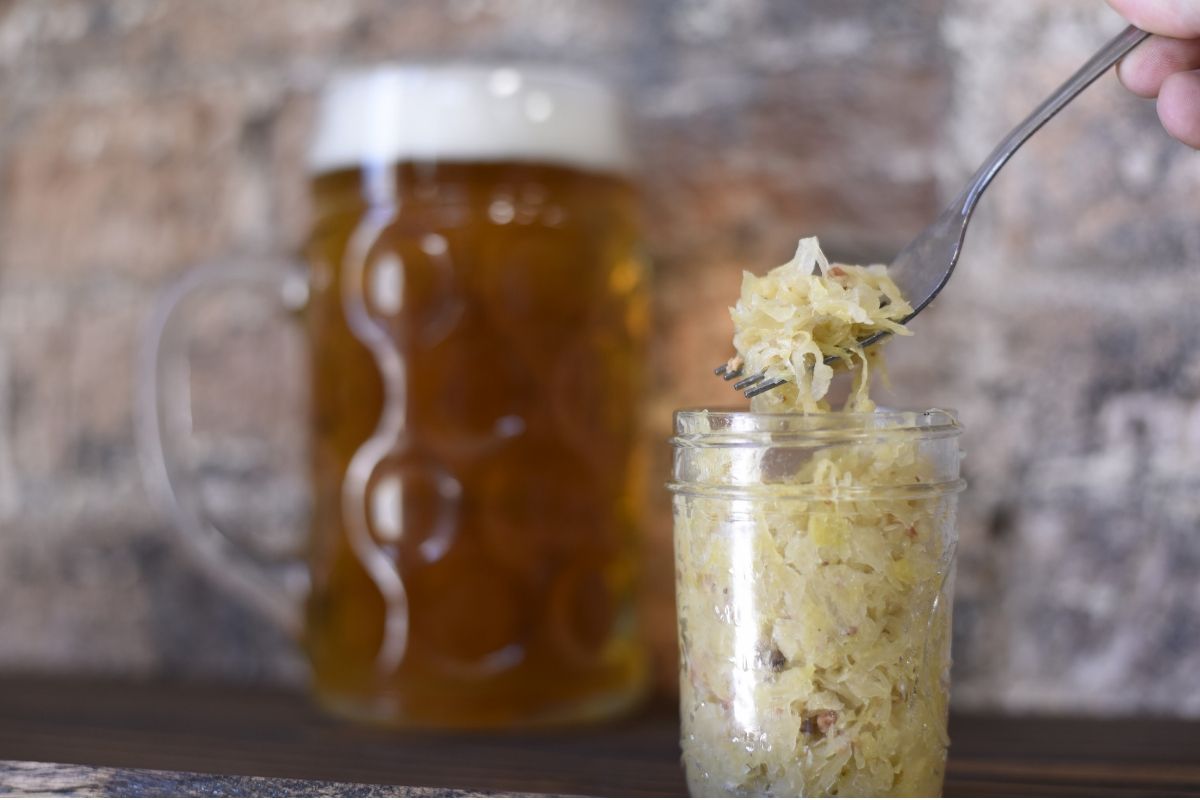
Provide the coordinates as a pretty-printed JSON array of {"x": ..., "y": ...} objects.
[{"x": 402, "y": 112}]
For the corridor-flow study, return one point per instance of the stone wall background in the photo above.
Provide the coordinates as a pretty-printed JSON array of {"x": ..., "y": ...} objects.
[{"x": 138, "y": 137}]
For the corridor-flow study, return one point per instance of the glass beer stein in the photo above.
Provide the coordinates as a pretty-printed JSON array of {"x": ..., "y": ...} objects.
[{"x": 474, "y": 306}]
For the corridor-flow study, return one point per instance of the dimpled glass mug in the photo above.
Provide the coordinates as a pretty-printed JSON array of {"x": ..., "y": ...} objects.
[{"x": 475, "y": 311}]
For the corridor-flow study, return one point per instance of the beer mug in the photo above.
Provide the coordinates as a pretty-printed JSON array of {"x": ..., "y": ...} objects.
[{"x": 475, "y": 309}]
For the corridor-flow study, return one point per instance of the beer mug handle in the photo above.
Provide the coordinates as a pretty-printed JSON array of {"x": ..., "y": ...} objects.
[{"x": 276, "y": 589}]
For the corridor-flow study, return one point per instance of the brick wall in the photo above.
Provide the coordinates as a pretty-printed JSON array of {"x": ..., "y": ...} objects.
[{"x": 140, "y": 137}]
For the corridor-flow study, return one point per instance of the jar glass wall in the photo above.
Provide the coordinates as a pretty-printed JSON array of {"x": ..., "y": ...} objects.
[{"x": 814, "y": 566}]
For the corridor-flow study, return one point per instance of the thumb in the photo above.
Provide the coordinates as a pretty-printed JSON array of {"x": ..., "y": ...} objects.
[
  {"x": 1179, "y": 19},
  {"x": 1179, "y": 106}
]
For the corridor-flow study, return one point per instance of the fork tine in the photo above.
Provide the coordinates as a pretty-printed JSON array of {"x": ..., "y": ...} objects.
[
  {"x": 753, "y": 379},
  {"x": 765, "y": 387},
  {"x": 725, "y": 372}
]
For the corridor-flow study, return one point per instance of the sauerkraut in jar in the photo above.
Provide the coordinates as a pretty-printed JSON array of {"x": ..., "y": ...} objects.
[{"x": 814, "y": 567}]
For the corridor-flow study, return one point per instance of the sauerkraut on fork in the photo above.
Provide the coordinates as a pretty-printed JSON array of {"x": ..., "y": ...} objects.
[{"x": 790, "y": 321}]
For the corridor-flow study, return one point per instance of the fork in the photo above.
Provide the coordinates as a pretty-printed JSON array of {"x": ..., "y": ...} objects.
[{"x": 923, "y": 268}]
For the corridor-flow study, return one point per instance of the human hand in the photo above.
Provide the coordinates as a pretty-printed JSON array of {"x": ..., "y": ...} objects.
[{"x": 1167, "y": 65}]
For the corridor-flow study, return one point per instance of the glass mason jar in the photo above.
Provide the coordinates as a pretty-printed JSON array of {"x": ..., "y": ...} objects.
[
  {"x": 475, "y": 310},
  {"x": 814, "y": 568}
]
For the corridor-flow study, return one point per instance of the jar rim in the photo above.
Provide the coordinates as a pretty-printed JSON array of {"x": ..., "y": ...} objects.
[
  {"x": 733, "y": 448},
  {"x": 700, "y": 425}
]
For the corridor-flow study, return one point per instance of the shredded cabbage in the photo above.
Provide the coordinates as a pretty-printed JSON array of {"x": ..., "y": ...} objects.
[
  {"x": 789, "y": 321},
  {"x": 815, "y": 633}
]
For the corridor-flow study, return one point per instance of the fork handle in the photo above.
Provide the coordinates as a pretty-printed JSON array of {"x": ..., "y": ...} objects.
[{"x": 1096, "y": 66}]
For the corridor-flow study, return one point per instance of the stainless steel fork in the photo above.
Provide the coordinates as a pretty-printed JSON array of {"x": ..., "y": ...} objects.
[{"x": 924, "y": 267}]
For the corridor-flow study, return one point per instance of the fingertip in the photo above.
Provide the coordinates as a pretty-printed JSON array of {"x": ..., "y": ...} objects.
[
  {"x": 1179, "y": 107},
  {"x": 1135, "y": 73},
  {"x": 1144, "y": 70},
  {"x": 1126, "y": 8}
]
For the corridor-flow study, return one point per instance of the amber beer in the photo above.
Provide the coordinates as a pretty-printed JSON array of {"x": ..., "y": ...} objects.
[{"x": 477, "y": 319}]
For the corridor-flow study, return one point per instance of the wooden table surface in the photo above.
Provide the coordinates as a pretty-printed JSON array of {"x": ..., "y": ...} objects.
[{"x": 278, "y": 735}]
